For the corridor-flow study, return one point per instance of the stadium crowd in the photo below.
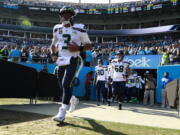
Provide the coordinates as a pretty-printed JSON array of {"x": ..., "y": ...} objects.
[
  {"x": 5, "y": 40},
  {"x": 35, "y": 50}
]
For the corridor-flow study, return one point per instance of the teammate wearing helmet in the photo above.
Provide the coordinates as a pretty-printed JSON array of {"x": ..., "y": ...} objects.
[
  {"x": 120, "y": 71},
  {"x": 99, "y": 81},
  {"x": 68, "y": 40}
]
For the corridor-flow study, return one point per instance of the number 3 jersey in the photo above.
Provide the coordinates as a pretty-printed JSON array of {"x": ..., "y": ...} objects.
[
  {"x": 118, "y": 70},
  {"x": 62, "y": 36},
  {"x": 101, "y": 72}
]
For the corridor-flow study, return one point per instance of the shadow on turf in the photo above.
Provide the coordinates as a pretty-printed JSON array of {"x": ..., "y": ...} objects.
[
  {"x": 152, "y": 110},
  {"x": 96, "y": 127},
  {"x": 11, "y": 117}
]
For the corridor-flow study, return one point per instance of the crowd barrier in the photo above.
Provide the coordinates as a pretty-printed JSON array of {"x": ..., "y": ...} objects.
[
  {"x": 47, "y": 85},
  {"x": 39, "y": 67},
  {"x": 19, "y": 81}
]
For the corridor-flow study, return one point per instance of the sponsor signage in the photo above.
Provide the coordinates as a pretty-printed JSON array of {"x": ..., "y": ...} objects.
[{"x": 143, "y": 61}]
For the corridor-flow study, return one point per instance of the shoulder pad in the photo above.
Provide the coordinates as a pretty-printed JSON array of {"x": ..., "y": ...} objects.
[
  {"x": 56, "y": 27},
  {"x": 126, "y": 62},
  {"x": 79, "y": 27},
  {"x": 115, "y": 60},
  {"x": 104, "y": 66}
]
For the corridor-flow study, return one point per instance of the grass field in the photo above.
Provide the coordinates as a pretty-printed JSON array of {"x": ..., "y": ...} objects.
[
  {"x": 8, "y": 101},
  {"x": 23, "y": 123}
]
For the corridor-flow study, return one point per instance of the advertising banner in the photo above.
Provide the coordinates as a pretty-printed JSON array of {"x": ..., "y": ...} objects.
[{"x": 143, "y": 61}]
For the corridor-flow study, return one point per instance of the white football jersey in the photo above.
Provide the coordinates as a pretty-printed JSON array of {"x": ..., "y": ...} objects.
[
  {"x": 101, "y": 72},
  {"x": 62, "y": 36},
  {"x": 119, "y": 70},
  {"x": 131, "y": 81},
  {"x": 109, "y": 70}
]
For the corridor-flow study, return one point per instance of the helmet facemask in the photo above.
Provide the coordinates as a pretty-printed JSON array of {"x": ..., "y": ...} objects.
[{"x": 66, "y": 15}]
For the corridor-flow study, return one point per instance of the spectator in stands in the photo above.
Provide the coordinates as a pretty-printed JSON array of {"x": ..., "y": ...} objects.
[
  {"x": 24, "y": 54},
  {"x": 131, "y": 51},
  {"x": 165, "y": 57},
  {"x": 175, "y": 54},
  {"x": 43, "y": 55},
  {"x": 141, "y": 51},
  {"x": 150, "y": 85},
  {"x": 148, "y": 51},
  {"x": 5, "y": 52},
  {"x": 155, "y": 50},
  {"x": 36, "y": 55},
  {"x": 165, "y": 80},
  {"x": 15, "y": 54}
]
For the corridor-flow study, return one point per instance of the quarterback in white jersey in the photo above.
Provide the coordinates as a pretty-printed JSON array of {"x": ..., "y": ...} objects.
[
  {"x": 64, "y": 37},
  {"x": 100, "y": 80},
  {"x": 68, "y": 40}
]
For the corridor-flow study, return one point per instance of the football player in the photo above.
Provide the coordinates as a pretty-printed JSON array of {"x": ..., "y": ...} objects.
[
  {"x": 100, "y": 80},
  {"x": 68, "y": 40},
  {"x": 120, "y": 71},
  {"x": 109, "y": 83}
]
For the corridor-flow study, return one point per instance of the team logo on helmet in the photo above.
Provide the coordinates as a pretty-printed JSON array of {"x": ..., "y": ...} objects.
[{"x": 67, "y": 10}]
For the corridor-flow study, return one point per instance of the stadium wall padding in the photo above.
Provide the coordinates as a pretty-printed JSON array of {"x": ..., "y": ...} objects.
[
  {"x": 174, "y": 72},
  {"x": 48, "y": 85},
  {"x": 17, "y": 81},
  {"x": 39, "y": 67},
  {"x": 80, "y": 89},
  {"x": 24, "y": 82}
]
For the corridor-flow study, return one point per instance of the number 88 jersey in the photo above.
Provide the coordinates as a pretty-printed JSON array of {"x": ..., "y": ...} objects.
[{"x": 119, "y": 70}]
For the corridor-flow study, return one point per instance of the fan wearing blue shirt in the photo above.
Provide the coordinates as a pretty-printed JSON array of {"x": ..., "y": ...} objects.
[
  {"x": 15, "y": 54},
  {"x": 165, "y": 80}
]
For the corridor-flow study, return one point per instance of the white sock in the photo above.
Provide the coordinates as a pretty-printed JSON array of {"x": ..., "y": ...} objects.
[{"x": 65, "y": 106}]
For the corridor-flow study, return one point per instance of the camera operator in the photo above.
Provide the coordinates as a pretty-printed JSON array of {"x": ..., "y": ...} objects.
[{"x": 150, "y": 85}]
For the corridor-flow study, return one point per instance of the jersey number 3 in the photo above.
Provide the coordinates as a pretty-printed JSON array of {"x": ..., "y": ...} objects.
[{"x": 67, "y": 38}]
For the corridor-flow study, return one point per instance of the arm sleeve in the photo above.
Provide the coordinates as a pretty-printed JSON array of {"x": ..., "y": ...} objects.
[
  {"x": 111, "y": 72},
  {"x": 85, "y": 38},
  {"x": 141, "y": 80},
  {"x": 106, "y": 73},
  {"x": 55, "y": 39}
]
